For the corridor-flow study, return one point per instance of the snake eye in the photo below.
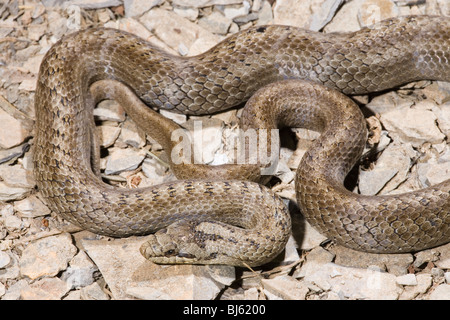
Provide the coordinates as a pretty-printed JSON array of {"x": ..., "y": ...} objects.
[{"x": 170, "y": 252}]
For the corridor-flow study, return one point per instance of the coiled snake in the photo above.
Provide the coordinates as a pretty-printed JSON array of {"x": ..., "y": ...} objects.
[{"x": 231, "y": 221}]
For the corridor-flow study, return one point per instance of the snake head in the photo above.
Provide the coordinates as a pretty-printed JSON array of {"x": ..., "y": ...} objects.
[{"x": 173, "y": 245}]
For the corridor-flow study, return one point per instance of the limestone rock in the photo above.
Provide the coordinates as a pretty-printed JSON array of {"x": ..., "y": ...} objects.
[
  {"x": 47, "y": 256},
  {"x": 130, "y": 276}
]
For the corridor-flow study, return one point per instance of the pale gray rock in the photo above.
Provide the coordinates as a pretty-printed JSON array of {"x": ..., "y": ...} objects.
[
  {"x": 8, "y": 193},
  {"x": 442, "y": 292},
  {"x": 154, "y": 170},
  {"x": 346, "y": 19},
  {"x": 216, "y": 23},
  {"x": 355, "y": 283},
  {"x": 175, "y": 117},
  {"x": 265, "y": 14},
  {"x": 424, "y": 257},
  {"x": 374, "y": 11},
  {"x": 391, "y": 169},
  {"x": 234, "y": 11},
  {"x": 433, "y": 173},
  {"x": 188, "y": 13},
  {"x": 45, "y": 289},
  {"x": 80, "y": 272},
  {"x": 286, "y": 288},
  {"x": 407, "y": 280},
  {"x": 31, "y": 207},
  {"x": 47, "y": 256},
  {"x": 132, "y": 135},
  {"x": 93, "y": 4},
  {"x": 444, "y": 258},
  {"x": 123, "y": 160},
  {"x": 424, "y": 282},
  {"x": 16, "y": 176},
  {"x": 107, "y": 135},
  {"x": 10, "y": 266},
  {"x": 371, "y": 182},
  {"x": 323, "y": 16},
  {"x": 415, "y": 125},
  {"x": 204, "y": 3},
  {"x": 5, "y": 259},
  {"x": 295, "y": 13},
  {"x": 135, "y": 8},
  {"x": 10, "y": 155},
  {"x": 314, "y": 260},
  {"x": 12, "y": 132},
  {"x": 130, "y": 276},
  {"x": 93, "y": 292},
  {"x": 387, "y": 102},
  {"x": 133, "y": 26},
  {"x": 2, "y": 289},
  {"x": 13, "y": 292},
  {"x": 176, "y": 31},
  {"x": 14, "y": 224}
]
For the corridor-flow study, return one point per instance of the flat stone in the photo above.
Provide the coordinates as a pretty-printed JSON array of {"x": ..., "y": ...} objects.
[
  {"x": 444, "y": 258},
  {"x": 133, "y": 26},
  {"x": 123, "y": 160},
  {"x": 31, "y": 207},
  {"x": 346, "y": 19},
  {"x": 132, "y": 135},
  {"x": 433, "y": 173},
  {"x": 315, "y": 258},
  {"x": 286, "y": 287},
  {"x": 12, "y": 132},
  {"x": 415, "y": 125},
  {"x": 355, "y": 283},
  {"x": 5, "y": 259},
  {"x": 93, "y": 292},
  {"x": 137, "y": 7},
  {"x": 216, "y": 23},
  {"x": 108, "y": 135},
  {"x": 8, "y": 193},
  {"x": 294, "y": 13},
  {"x": 16, "y": 176},
  {"x": 80, "y": 272},
  {"x": 203, "y": 3},
  {"x": 45, "y": 289},
  {"x": 424, "y": 282},
  {"x": 407, "y": 279},
  {"x": 442, "y": 292},
  {"x": 47, "y": 256},
  {"x": 390, "y": 170},
  {"x": 373, "y": 11},
  {"x": 129, "y": 275},
  {"x": 323, "y": 16},
  {"x": 177, "y": 32},
  {"x": 94, "y": 4}
]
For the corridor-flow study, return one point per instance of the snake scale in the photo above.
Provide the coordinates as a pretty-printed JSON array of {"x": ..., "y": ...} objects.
[{"x": 230, "y": 221}]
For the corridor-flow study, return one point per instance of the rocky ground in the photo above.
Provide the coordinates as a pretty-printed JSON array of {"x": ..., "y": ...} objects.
[{"x": 43, "y": 257}]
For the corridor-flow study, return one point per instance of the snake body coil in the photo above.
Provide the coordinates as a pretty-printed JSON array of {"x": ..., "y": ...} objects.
[{"x": 386, "y": 55}]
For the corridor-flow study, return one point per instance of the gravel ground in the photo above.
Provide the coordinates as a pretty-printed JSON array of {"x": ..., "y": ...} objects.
[{"x": 44, "y": 257}]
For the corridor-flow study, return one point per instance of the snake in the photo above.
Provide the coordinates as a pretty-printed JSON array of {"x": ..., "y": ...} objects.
[{"x": 289, "y": 77}]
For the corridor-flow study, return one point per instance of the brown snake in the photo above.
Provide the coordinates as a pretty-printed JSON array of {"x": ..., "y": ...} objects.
[{"x": 386, "y": 55}]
